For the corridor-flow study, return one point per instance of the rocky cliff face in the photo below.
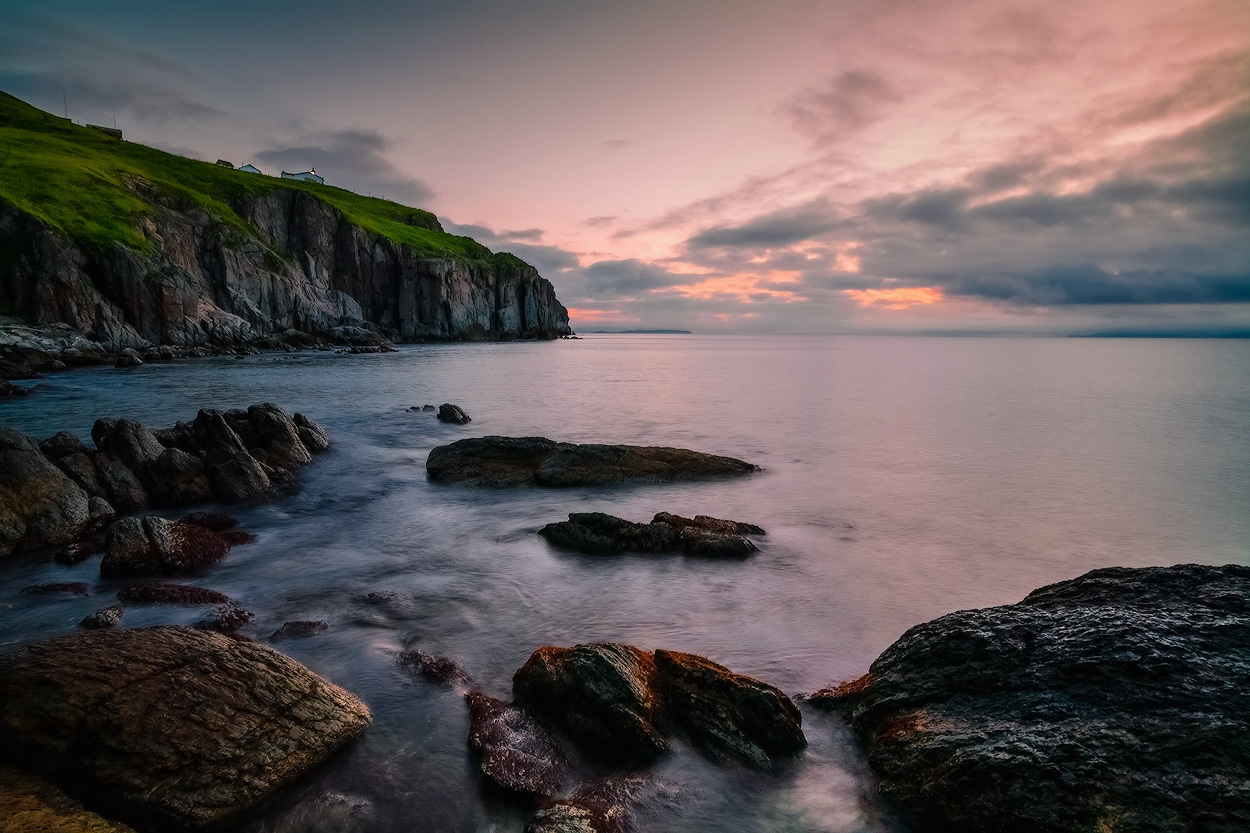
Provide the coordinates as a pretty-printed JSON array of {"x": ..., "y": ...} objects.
[{"x": 299, "y": 264}]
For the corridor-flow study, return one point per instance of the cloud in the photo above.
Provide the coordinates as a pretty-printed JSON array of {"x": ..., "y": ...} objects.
[
  {"x": 41, "y": 59},
  {"x": 616, "y": 277},
  {"x": 1089, "y": 284},
  {"x": 354, "y": 159},
  {"x": 847, "y": 102},
  {"x": 771, "y": 230},
  {"x": 550, "y": 261}
]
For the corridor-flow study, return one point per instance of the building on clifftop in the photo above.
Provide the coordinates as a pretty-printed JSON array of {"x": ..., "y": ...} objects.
[{"x": 308, "y": 176}]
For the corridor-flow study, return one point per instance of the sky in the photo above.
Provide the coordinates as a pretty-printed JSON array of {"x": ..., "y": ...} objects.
[{"x": 879, "y": 166}]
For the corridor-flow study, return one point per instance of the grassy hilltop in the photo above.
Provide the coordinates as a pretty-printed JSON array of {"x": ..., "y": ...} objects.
[{"x": 77, "y": 180}]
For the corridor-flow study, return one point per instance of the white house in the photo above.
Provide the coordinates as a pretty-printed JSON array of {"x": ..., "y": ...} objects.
[
  {"x": 250, "y": 168},
  {"x": 312, "y": 176}
]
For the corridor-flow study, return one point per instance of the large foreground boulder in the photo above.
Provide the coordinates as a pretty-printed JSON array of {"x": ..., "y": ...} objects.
[
  {"x": 1118, "y": 701},
  {"x": 169, "y": 726},
  {"x": 596, "y": 533},
  {"x": 39, "y": 505},
  {"x": 517, "y": 461}
]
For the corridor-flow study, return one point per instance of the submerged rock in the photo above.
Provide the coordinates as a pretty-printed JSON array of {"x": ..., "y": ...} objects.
[
  {"x": 453, "y": 414},
  {"x": 176, "y": 726},
  {"x": 78, "y": 588},
  {"x": 168, "y": 593},
  {"x": 227, "y": 618},
  {"x": 1116, "y": 701},
  {"x": 153, "y": 546},
  {"x": 598, "y": 807},
  {"x": 597, "y": 533},
  {"x": 105, "y": 617},
  {"x": 295, "y": 630},
  {"x": 443, "y": 671},
  {"x": 516, "y": 461},
  {"x": 513, "y": 752},
  {"x": 604, "y": 695}
]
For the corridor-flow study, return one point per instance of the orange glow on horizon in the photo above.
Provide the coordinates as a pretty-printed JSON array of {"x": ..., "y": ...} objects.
[
  {"x": 742, "y": 287},
  {"x": 900, "y": 298},
  {"x": 592, "y": 316}
]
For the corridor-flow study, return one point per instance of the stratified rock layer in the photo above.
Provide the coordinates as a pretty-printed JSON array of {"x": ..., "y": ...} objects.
[
  {"x": 518, "y": 461},
  {"x": 171, "y": 726},
  {"x": 1118, "y": 701}
]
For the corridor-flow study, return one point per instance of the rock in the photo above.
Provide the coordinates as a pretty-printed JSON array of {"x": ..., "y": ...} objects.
[
  {"x": 225, "y": 619},
  {"x": 30, "y": 805},
  {"x": 290, "y": 630},
  {"x": 153, "y": 546},
  {"x": 105, "y": 617},
  {"x": 314, "y": 437},
  {"x": 8, "y": 390},
  {"x": 729, "y": 716},
  {"x": 62, "y": 444},
  {"x": 440, "y": 670},
  {"x": 232, "y": 471},
  {"x": 128, "y": 361},
  {"x": 121, "y": 487},
  {"x": 168, "y": 593},
  {"x": 598, "y": 807},
  {"x": 708, "y": 524},
  {"x": 277, "y": 439},
  {"x": 78, "y": 588},
  {"x": 516, "y": 461},
  {"x": 513, "y": 752},
  {"x": 179, "y": 727},
  {"x": 39, "y": 505},
  {"x": 1116, "y": 701},
  {"x": 597, "y": 533},
  {"x": 175, "y": 478},
  {"x": 75, "y": 553},
  {"x": 453, "y": 414},
  {"x": 236, "y": 537},
  {"x": 81, "y": 469},
  {"x": 604, "y": 695},
  {"x": 427, "y": 408},
  {"x": 211, "y": 521},
  {"x": 100, "y": 513},
  {"x": 128, "y": 441}
]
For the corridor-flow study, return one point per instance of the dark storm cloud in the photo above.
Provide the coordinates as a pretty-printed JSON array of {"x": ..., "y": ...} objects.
[
  {"x": 629, "y": 276},
  {"x": 1088, "y": 284},
  {"x": 41, "y": 59},
  {"x": 548, "y": 260},
  {"x": 846, "y": 102},
  {"x": 772, "y": 230},
  {"x": 354, "y": 159}
]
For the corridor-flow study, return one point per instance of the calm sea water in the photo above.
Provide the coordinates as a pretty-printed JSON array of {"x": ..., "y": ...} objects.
[{"x": 903, "y": 479}]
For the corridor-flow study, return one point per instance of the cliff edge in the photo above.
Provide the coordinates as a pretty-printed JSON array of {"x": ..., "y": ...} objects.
[{"x": 132, "y": 247}]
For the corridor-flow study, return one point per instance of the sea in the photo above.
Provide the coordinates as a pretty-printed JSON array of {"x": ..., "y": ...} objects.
[{"x": 902, "y": 479}]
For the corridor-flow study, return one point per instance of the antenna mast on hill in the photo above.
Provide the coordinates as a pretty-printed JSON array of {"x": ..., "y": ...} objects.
[{"x": 65, "y": 101}]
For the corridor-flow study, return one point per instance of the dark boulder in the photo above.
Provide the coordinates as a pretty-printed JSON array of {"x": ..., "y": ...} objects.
[
  {"x": 81, "y": 469},
  {"x": 596, "y": 533},
  {"x": 706, "y": 523},
  {"x": 212, "y": 521},
  {"x": 8, "y": 390},
  {"x": 233, "y": 472},
  {"x": 75, "y": 552},
  {"x": 598, "y": 807},
  {"x": 314, "y": 437},
  {"x": 227, "y": 618},
  {"x": 513, "y": 752},
  {"x": 62, "y": 444},
  {"x": 515, "y": 461},
  {"x": 172, "y": 726},
  {"x": 105, "y": 617},
  {"x": 277, "y": 441},
  {"x": 453, "y": 414},
  {"x": 120, "y": 485},
  {"x": 153, "y": 546},
  {"x": 297, "y": 630},
  {"x": 604, "y": 695},
  {"x": 128, "y": 441},
  {"x": 168, "y": 593},
  {"x": 729, "y": 716},
  {"x": 176, "y": 478},
  {"x": 1116, "y": 701},
  {"x": 39, "y": 505},
  {"x": 442, "y": 671}
]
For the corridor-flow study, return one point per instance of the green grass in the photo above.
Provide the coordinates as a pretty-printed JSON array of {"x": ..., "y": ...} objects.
[{"x": 80, "y": 182}]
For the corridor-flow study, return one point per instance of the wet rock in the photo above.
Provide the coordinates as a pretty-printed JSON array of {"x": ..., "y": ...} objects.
[
  {"x": 100, "y": 513},
  {"x": 598, "y": 807},
  {"x": 105, "y": 617},
  {"x": 128, "y": 441},
  {"x": 129, "y": 357},
  {"x": 277, "y": 438},
  {"x": 439, "y": 670},
  {"x": 62, "y": 444},
  {"x": 331, "y": 812},
  {"x": 516, "y": 461},
  {"x": 153, "y": 546},
  {"x": 211, "y": 521},
  {"x": 81, "y": 469},
  {"x": 179, "y": 727},
  {"x": 427, "y": 408},
  {"x": 598, "y": 533},
  {"x": 39, "y": 505},
  {"x": 233, "y": 472},
  {"x": 314, "y": 437},
  {"x": 8, "y": 390},
  {"x": 75, "y": 553},
  {"x": 78, "y": 588},
  {"x": 1116, "y": 701},
  {"x": 296, "y": 630},
  {"x": 453, "y": 414},
  {"x": 729, "y": 716},
  {"x": 513, "y": 752},
  {"x": 225, "y": 619},
  {"x": 31, "y": 805},
  {"x": 604, "y": 695},
  {"x": 169, "y": 593},
  {"x": 120, "y": 485},
  {"x": 706, "y": 523}
]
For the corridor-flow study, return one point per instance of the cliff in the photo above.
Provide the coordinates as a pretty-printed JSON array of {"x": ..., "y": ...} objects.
[{"x": 132, "y": 246}]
